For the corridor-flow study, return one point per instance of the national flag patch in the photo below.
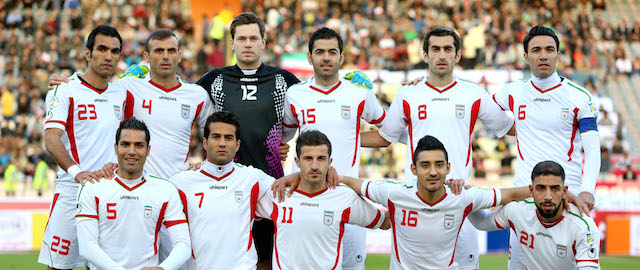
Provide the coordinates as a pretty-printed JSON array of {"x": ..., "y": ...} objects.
[
  {"x": 459, "y": 111},
  {"x": 186, "y": 109},
  {"x": 448, "y": 221},
  {"x": 328, "y": 217},
  {"x": 561, "y": 251},
  {"x": 147, "y": 211},
  {"x": 345, "y": 111},
  {"x": 238, "y": 195}
]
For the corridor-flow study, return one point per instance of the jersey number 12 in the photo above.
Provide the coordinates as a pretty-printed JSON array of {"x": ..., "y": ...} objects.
[{"x": 249, "y": 92}]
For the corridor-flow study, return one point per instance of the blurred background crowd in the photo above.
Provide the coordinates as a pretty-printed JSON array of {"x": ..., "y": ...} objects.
[{"x": 600, "y": 49}]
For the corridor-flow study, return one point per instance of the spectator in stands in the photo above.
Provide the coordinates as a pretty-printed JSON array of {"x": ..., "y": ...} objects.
[
  {"x": 624, "y": 65},
  {"x": 605, "y": 162},
  {"x": 629, "y": 174}
]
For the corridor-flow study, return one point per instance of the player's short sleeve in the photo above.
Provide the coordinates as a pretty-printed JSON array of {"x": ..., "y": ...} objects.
[
  {"x": 265, "y": 205},
  {"x": 174, "y": 214},
  {"x": 265, "y": 182},
  {"x": 373, "y": 112},
  {"x": 290, "y": 119},
  {"x": 87, "y": 204},
  {"x": 494, "y": 117},
  {"x": 494, "y": 220},
  {"x": 58, "y": 104},
  {"x": 395, "y": 120},
  {"x": 289, "y": 78},
  {"x": 207, "y": 110},
  {"x": 502, "y": 98},
  {"x": 379, "y": 191},
  {"x": 587, "y": 246},
  {"x": 363, "y": 213},
  {"x": 482, "y": 198}
]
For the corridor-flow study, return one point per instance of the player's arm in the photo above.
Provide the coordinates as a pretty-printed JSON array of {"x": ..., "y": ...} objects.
[
  {"x": 89, "y": 248},
  {"x": 290, "y": 119},
  {"x": 590, "y": 138},
  {"x": 353, "y": 183},
  {"x": 394, "y": 127},
  {"x": 492, "y": 116},
  {"x": 366, "y": 215},
  {"x": 491, "y": 221},
  {"x": 373, "y": 139},
  {"x": 376, "y": 191},
  {"x": 508, "y": 195},
  {"x": 587, "y": 246},
  {"x": 178, "y": 230}
]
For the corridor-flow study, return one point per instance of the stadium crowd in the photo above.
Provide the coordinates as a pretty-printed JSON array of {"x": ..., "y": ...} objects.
[{"x": 41, "y": 37}]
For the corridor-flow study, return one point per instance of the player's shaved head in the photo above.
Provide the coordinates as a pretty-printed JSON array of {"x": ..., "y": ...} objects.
[
  {"x": 325, "y": 33},
  {"x": 135, "y": 124},
  {"x": 159, "y": 34},
  {"x": 246, "y": 18},
  {"x": 104, "y": 30},
  {"x": 539, "y": 30},
  {"x": 547, "y": 168},
  {"x": 429, "y": 143},
  {"x": 222, "y": 117},
  {"x": 312, "y": 138},
  {"x": 441, "y": 32}
]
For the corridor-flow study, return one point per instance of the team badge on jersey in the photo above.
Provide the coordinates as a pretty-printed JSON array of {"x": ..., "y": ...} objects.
[
  {"x": 118, "y": 111},
  {"x": 147, "y": 211},
  {"x": 53, "y": 103},
  {"x": 328, "y": 217},
  {"x": 589, "y": 238},
  {"x": 448, "y": 221},
  {"x": 238, "y": 196},
  {"x": 186, "y": 109},
  {"x": 564, "y": 113},
  {"x": 562, "y": 251},
  {"x": 346, "y": 112},
  {"x": 459, "y": 111},
  {"x": 593, "y": 109}
]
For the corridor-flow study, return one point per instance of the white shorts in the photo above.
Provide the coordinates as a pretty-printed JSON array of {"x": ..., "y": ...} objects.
[
  {"x": 60, "y": 242},
  {"x": 516, "y": 258},
  {"x": 467, "y": 254},
  {"x": 355, "y": 247}
]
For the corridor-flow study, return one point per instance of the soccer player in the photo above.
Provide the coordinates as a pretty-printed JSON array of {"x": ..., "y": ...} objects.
[
  {"x": 550, "y": 234},
  {"x": 425, "y": 217},
  {"x": 82, "y": 118},
  {"x": 310, "y": 225},
  {"x": 553, "y": 116},
  {"x": 447, "y": 108},
  {"x": 334, "y": 107},
  {"x": 118, "y": 221}
]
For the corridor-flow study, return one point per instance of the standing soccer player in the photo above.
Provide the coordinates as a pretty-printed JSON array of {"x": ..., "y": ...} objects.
[
  {"x": 553, "y": 116},
  {"x": 82, "y": 119},
  {"x": 118, "y": 220},
  {"x": 334, "y": 107},
  {"x": 310, "y": 225},
  {"x": 551, "y": 235},
  {"x": 447, "y": 108}
]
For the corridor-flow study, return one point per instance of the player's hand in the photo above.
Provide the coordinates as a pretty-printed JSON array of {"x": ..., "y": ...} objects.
[
  {"x": 456, "y": 185},
  {"x": 588, "y": 199},
  {"x": 333, "y": 179},
  {"x": 414, "y": 82},
  {"x": 152, "y": 268},
  {"x": 194, "y": 167},
  {"x": 56, "y": 79},
  {"x": 279, "y": 185},
  {"x": 137, "y": 71},
  {"x": 284, "y": 150},
  {"x": 360, "y": 79},
  {"x": 88, "y": 176},
  {"x": 106, "y": 171},
  {"x": 577, "y": 200}
]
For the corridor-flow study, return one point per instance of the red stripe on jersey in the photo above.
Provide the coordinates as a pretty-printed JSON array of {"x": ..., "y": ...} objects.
[
  {"x": 360, "y": 111},
  {"x": 547, "y": 90},
  {"x": 440, "y": 91},
  {"x": 158, "y": 225},
  {"x": 311, "y": 195},
  {"x": 546, "y": 224},
  {"x": 366, "y": 194},
  {"x": 498, "y": 225},
  {"x": 97, "y": 206},
  {"x": 70, "y": 134},
  {"x": 89, "y": 216},
  {"x": 194, "y": 121},
  {"x": 289, "y": 126},
  {"x": 345, "y": 219},
  {"x": 53, "y": 205},
  {"x": 573, "y": 247},
  {"x": 379, "y": 120},
  {"x": 164, "y": 88},
  {"x": 407, "y": 114},
  {"x": 328, "y": 91},
  {"x": 511, "y": 105},
  {"x": 496, "y": 101},
  {"x": 255, "y": 192},
  {"x": 575, "y": 129},
  {"x": 274, "y": 216},
  {"x": 130, "y": 188},
  {"x": 218, "y": 178},
  {"x": 432, "y": 204},
  {"x": 55, "y": 121},
  {"x": 128, "y": 105},
  {"x": 174, "y": 222},
  {"x": 99, "y": 91},
  {"x": 467, "y": 210},
  {"x": 593, "y": 261},
  {"x": 475, "y": 109},
  {"x": 494, "y": 198},
  {"x": 183, "y": 198},
  {"x": 513, "y": 227},
  {"x": 295, "y": 115},
  {"x": 392, "y": 212},
  {"x": 375, "y": 220}
]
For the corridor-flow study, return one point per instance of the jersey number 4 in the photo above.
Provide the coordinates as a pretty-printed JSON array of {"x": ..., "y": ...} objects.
[{"x": 249, "y": 92}]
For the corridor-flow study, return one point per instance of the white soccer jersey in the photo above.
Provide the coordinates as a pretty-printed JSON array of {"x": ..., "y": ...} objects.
[
  {"x": 547, "y": 126},
  {"x": 336, "y": 112},
  {"x": 425, "y": 235},
  {"x": 130, "y": 214},
  {"x": 89, "y": 118},
  {"x": 309, "y": 228},
  {"x": 449, "y": 114},
  {"x": 569, "y": 243},
  {"x": 169, "y": 115},
  {"x": 221, "y": 204}
]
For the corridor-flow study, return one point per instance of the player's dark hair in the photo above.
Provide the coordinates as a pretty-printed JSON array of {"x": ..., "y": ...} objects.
[
  {"x": 539, "y": 30},
  {"x": 312, "y": 138},
  {"x": 159, "y": 34},
  {"x": 102, "y": 30},
  {"x": 547, "y": 168},
  {"x": 441, "y": 32},
  {"x": 429, "y": 143},
  {"x": 135, "y": 124},
  {"x": 246, "y": 18},
  {"x": 325, "y": 33},
  {"x": 222, "y": 117}
]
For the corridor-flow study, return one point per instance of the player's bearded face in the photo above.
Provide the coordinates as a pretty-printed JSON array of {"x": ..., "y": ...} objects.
[
  {"x": 222, "y": 143},
  {"x": 105, "y": 55},
  {"x": 314, "y": 162},
  {"x": 431, "y": 169},
  {"x": 548, "y": 193},
  {"x": 442, "y": 55},
  {"x": 164, "y": 56},
  {"x": 248, "y": 44},
  {"x": 326, "y": 57},
  {"x": 132, "y": 151},
  {"x": 542, "y": 56}
]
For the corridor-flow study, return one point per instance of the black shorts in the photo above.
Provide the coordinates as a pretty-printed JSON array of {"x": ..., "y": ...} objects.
[{"x": 263, "y": 238}]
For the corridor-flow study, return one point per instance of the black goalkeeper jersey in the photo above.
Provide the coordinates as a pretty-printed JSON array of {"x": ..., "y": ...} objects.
[{"x": 258, "y": 101}]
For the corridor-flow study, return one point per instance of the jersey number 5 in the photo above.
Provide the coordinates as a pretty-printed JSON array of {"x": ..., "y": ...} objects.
[{"x": 249, "y": 92}]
